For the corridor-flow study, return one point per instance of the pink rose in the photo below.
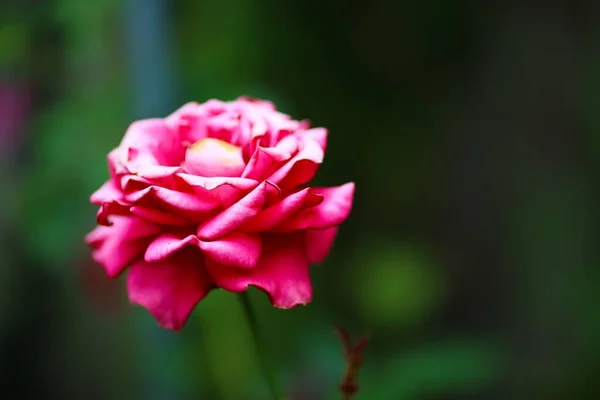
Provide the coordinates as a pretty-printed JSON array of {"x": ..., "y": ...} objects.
[{"x": 215, "y": 196}]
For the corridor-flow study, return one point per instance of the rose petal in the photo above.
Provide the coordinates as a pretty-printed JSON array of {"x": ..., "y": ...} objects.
[
  {"x": 225, "y": 191},
  {"x": 213, "y": 183},
  {"x": 335, "y": 208},
  {"x": 236, "y": 249},
  {"x": 116, "y": 162},
  {"x": 115, "y": 246},
  {"x": 158, "y": 217},
  {"x": 157, "y": 172},
  {"x": 213, "y": 157},
  {"x": 152, "y": 142},
  {"x": 107, "y": 192},
  {"x": 301, "y": 168},
  {"x": 188, "y": 122},
  {"x": 108, "y": 209},
  {"x": 133, "y": 183},
  {"x": 170, "y": 290},
  {"x": 266, "y": 159},
  {"x": 269, "y": 218},
  {"x": 223, "y": 126},
  {"x": 319, "y": 244},
  {"x": 319, "y": 135},
  {"x": 259, "y": 103},
  {"x": 167, "y": 244},
  {"x": 187, "y": 205},
  {"x": 239, "y": 213},
  {"x": 282, "y": 271}
]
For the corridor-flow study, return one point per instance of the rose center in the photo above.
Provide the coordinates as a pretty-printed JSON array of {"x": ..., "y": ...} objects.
[{"x": 214, "y": 157}]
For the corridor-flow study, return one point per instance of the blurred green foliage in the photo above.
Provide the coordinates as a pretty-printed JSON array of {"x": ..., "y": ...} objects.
[{"x": 470, "y": 256}]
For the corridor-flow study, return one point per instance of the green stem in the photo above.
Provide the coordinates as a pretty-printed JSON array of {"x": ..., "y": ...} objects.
[{"x": 260, "y": 347}]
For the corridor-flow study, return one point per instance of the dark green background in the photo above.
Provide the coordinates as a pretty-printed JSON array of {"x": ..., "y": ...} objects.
[{"x": 471, "y": 130}]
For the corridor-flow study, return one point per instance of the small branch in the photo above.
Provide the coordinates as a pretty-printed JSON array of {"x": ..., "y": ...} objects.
[{"x": 354, "y": 358}]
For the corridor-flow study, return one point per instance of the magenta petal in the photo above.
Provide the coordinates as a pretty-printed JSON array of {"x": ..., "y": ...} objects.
[
  {"x": 224, "y": 191},
  {"x": 319, "y": 244},
  {"x": 108, "y": 209},
  {"x": 170, "y": 290},
  {"x": 107, "y": 192},
  {"x": 239, "y": 213},
  {"x": 116, "y": 246},
  {"x": 270, "y": 217},
  {"x": 180, "y": 118},
  {"x": 116, "y": 162},
  {"x": 335, "y": 208},
  {"x": 153, "y": 143},
  {"x": 301, "y": 168},
  {"x": 130, "y": 184},
  {"x": 265, "y": 159},
  {"x": 236, "y": 249},
  {"x": 158, "y": 217},
  {"x": 165, "y": 245},
  {"x": 154, "y": 172},
  {"x": 260, "y": 164},
  {"x": 185, "y": 204},
  {"x": 319, "y": 135},
  {"x": 282, "y": 271},
  {"x": 214, "y": 183}
]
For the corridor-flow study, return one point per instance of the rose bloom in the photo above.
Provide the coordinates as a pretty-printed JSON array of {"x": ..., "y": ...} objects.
[{"x": 215, "y": 196}]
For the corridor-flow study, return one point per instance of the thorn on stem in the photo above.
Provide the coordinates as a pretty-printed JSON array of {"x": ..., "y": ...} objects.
[{"x": 354, "y": 359}]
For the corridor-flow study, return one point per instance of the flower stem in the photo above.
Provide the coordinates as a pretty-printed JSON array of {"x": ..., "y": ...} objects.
[{"x": 263, "y": 359}]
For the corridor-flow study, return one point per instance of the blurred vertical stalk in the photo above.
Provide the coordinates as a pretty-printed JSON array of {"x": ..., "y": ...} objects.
[
  {"x": 261, "y": 347},
  {"x": 150, "y": 75}
]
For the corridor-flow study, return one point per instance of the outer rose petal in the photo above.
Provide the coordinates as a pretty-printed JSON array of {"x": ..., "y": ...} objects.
[
  {"x": 158, "y": 217},
  {"x": 239, "y": 213},
  {"x": 131, "y": 184},
  {"x": 108, "y": 192},
  {"x": 334, "y": 209},
  {"x": 166, "y": 245},
  {"x": 109, "y": 209},
  {"x": 186, "y": 205},
  {"x": 319, "y": 244},
  {"x": 155, "y": 172},
  {"x": 114, "y": 247},
  {"x": 282, "y": 271},
  {"x": 236, "y": 249},
  {"x": 301, "y": 168},
  {"x": 269, "y": 218},
  {"x": 319, "y": 135},
  {"x": 171, "y": 289}
]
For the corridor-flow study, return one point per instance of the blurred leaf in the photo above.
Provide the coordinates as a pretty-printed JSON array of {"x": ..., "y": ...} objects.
[
  {"x": 68, "y": 164},
  {"x": 13, "y": 43},
  {"x": 439, "y": 368},
  {"x": 219, "y": 48},
  {"x": 401, "y": 284}
]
